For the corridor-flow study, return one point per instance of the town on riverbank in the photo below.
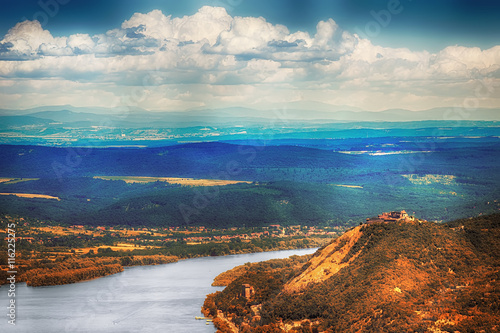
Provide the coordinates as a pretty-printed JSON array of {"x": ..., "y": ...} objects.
[{"x": 52, "y": 254}]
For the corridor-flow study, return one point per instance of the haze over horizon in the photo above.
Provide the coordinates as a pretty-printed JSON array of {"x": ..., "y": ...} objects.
[{"x": 351, "y": 55}]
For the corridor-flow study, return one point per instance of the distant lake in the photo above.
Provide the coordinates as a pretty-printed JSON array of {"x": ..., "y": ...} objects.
[{"x": 161, "y": 298}]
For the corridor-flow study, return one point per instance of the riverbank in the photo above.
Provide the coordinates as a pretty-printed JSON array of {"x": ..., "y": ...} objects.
[
  {"x": 154, "y": 298},
  {"x": 75, "y": 270},
  {"x": 71, "y": 269},
  {"x": 50, "y": 254},
  {"x": 249, "y": 282}
]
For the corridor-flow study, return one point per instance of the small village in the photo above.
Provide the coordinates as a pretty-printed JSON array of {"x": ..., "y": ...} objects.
[
  {"x": 45, "y": 242},
  {"x": 122, "y": 238},
  {"x": 44, "y": 234},
  {"x": 85, "y": 238}
]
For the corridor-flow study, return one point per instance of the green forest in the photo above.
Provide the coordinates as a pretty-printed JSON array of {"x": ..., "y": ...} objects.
[{"x": 437, "y": 180}]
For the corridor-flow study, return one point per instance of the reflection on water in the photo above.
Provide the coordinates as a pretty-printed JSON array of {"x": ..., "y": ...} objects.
[{"x": 163, "y": 298}]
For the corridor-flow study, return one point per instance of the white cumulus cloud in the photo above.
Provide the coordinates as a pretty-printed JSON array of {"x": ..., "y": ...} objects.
[
  {"x": 26, "y": 38},
  {"x": 218, "y": 57}
]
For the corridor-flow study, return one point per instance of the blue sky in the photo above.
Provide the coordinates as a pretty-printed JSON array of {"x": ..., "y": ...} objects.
[
  {"x": 421, "y": 25},
  {"x": 176, "y": 55}
]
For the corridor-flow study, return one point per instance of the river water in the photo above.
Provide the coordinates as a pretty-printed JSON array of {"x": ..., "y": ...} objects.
[{"x": 162, "y": 298}]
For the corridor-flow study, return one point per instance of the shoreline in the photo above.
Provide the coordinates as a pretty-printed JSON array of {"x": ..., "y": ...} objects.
[{"x": 174, "y": 260}]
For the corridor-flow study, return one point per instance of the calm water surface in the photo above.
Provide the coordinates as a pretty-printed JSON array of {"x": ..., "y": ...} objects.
[{"x": 162, "y": 298}]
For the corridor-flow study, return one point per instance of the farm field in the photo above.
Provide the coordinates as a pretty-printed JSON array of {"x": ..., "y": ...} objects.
[
  {"x": 32, "y": 195},
  {"x": 15, "y": 180},
  {"x": 174, "y": 180}
]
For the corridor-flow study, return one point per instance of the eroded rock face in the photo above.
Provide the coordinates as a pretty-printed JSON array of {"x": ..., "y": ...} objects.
[{"x": 327, "y": 261}]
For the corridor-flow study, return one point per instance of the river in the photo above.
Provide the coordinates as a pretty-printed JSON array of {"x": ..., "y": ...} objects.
[{"x": 162, "y": 298}]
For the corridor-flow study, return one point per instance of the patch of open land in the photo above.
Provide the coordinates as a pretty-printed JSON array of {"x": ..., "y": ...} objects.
[
  {"x": 32, "y": 195},
  {"x": 431, "y": 179},
  {"x": 381, "y": 153},
  {"x": 15, "y": 180},
  {"x": 118, "y": 247},
  {"x": 349, "y": 186},
  {"x": 173, "y": 180}
]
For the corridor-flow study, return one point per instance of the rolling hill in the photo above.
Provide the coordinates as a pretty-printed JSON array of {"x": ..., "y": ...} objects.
[{"x": 383, "y": 277}]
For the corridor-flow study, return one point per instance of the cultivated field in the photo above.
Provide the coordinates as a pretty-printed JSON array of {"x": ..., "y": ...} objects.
[
  {"x": 173, "y": 180},
  {"x": 15, "y": 180},
  {"x": 119, "y": 247},
  {"x": 349, "y": 186},
  {"x": 431, "y": 179},
  {"x": 32, "y": 195}
]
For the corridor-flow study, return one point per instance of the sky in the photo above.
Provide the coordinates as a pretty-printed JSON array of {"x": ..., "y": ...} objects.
[{"x": 196, "y": 54}]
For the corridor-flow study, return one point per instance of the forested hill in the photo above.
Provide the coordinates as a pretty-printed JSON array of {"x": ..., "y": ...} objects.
[
  {"x": 263, "y": 161},
  {"x": 202, "y": 160},
  {"x": 385, "y": 277},
  {"x": 338, "y": 182}
]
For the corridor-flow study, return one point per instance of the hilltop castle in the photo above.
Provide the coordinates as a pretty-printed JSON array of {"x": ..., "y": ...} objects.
[{"x": 390, "y": 217}]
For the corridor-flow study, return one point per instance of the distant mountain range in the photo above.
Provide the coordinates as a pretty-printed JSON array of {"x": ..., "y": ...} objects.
[
  {"x": 75, "y": 126},
  {"x": 136, "y": 115}
]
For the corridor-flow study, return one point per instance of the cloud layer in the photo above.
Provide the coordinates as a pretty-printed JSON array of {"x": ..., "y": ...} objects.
[{"x": 211, "y": 59}]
